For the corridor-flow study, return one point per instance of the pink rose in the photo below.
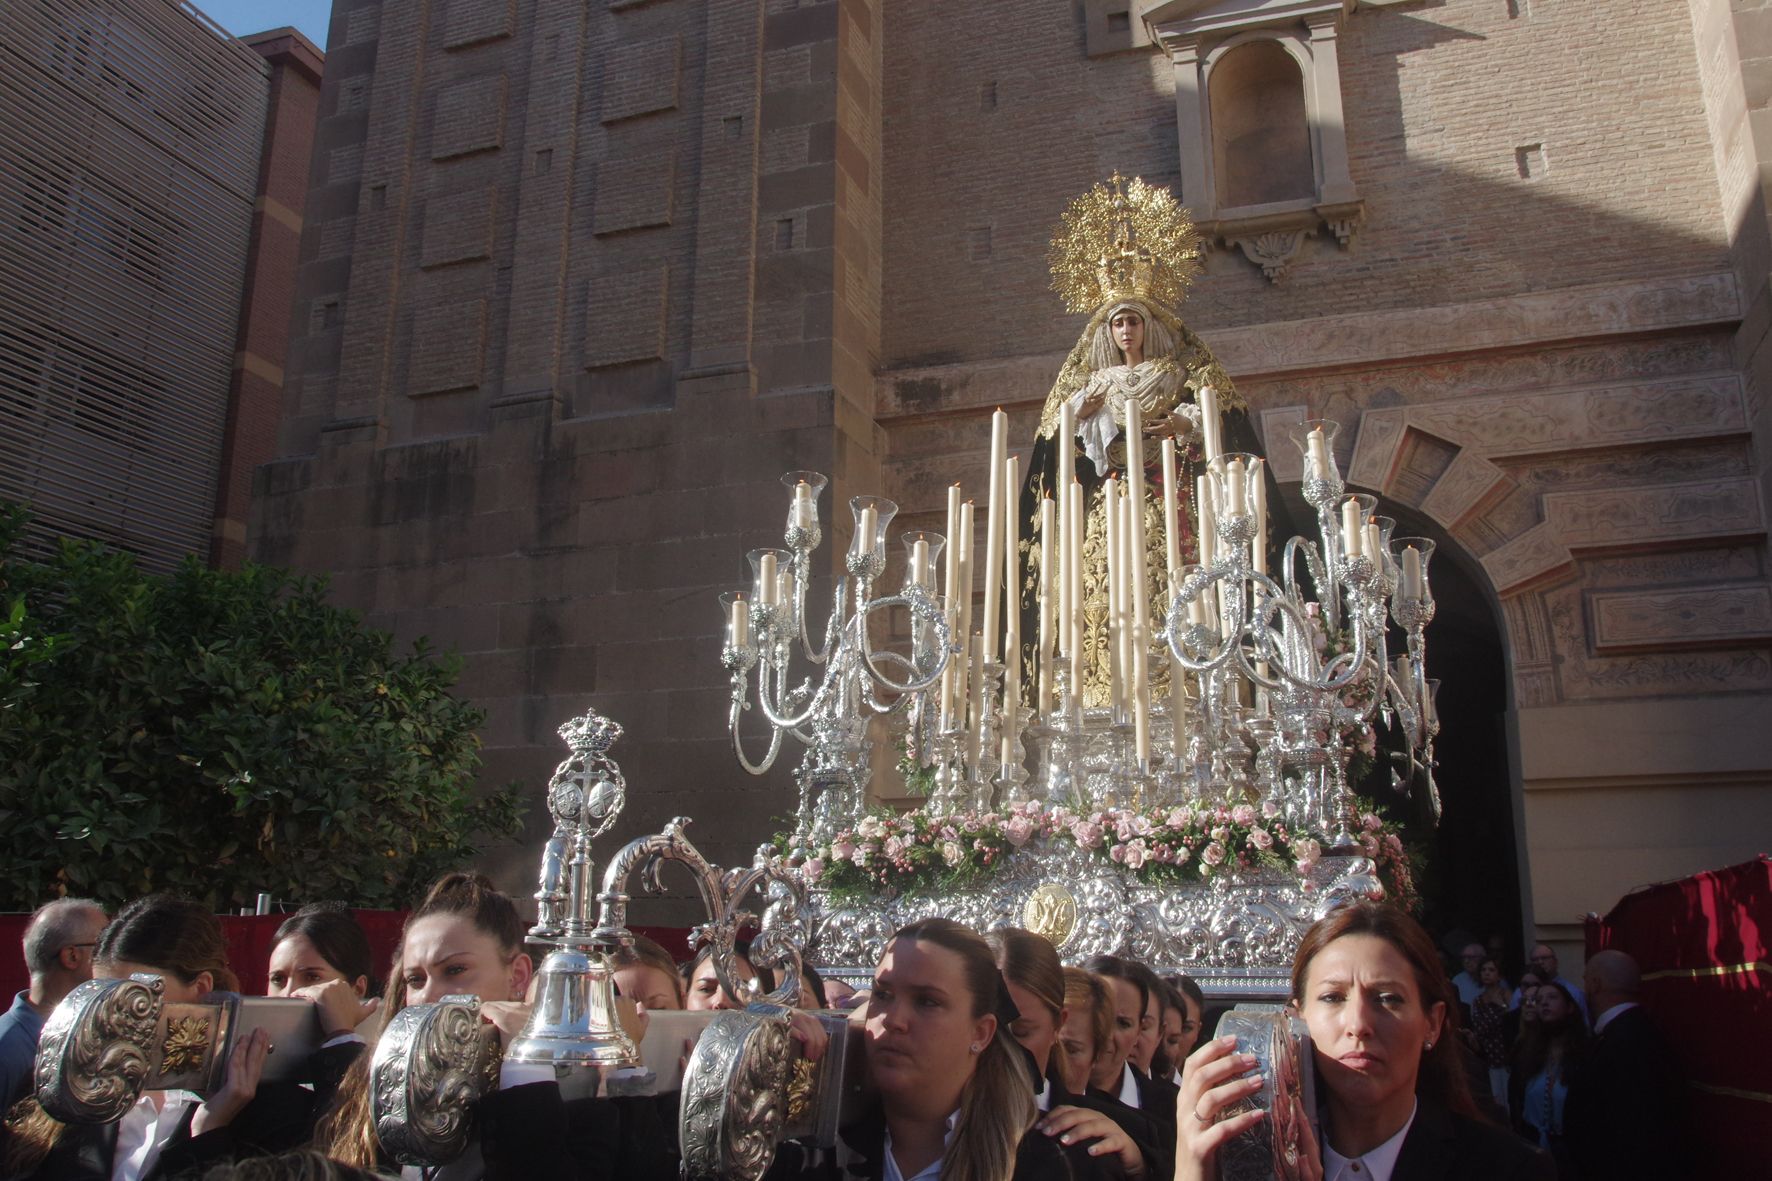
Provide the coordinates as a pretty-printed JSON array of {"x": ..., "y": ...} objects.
[
  {"x": 813, "y": 869},
  {"x": 1308, "y": 851},
  {"x": 1123, "y": 828},
  {"x": 843, "y": 850},
  {"x": 1370, "y": 822},
  {"x": 1213, "y": 854},
  {"x": 861, "y": 855},
  {"x": 951, "y": 852},
  {"x": 1369, "y": 844},
  {"x": 1117, "y": 853},
  {"x": 893, "y": 848},
  {"x": 870, "y": 826},
  {"x": 1086, "y": 833},
  {"x": 1269, "y": 809},
  {"x": 1178, "y": 818},
  {"x": 1019, "y": 830},
  {"x": 1135, "y": 854},
  {"x": 1260, "y": 838},
  {"x": 1392, "y": 845},
  {"x": 1243, "y": 814}
]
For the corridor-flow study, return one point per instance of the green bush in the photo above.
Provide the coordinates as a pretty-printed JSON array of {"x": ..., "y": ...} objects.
[{"x": 217, "y": 733}]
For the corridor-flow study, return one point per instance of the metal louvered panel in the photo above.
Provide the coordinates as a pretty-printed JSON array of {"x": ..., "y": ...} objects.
[{"x": 130, "y": 133}]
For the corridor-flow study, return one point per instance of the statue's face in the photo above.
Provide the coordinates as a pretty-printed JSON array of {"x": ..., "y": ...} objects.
[{"x": 1128, "y": 329}]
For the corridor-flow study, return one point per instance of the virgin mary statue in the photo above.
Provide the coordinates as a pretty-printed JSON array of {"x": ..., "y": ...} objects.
[{"x": 1124, "y": 253}]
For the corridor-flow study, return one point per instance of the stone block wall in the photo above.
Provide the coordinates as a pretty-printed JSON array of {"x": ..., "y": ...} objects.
[{"x": 585, "y": 281}]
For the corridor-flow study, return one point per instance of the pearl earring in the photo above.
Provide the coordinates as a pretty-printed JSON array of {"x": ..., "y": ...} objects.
[
  {"x": 1428, "y": 1048},
  {"x": 975, "y": 1047}
]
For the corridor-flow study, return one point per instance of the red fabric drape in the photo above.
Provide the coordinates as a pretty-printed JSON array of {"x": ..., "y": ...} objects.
[{"x": 1705, "y": 947}]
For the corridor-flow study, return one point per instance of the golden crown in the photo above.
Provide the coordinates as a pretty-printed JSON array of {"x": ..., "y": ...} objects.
[{"x": 1123, "y": 240}]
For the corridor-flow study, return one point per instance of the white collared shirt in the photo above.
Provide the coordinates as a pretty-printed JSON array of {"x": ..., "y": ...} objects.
[
  {"x": 1375, "y": 1165},
  {"x": 1129, "y": 1087},
  {"x": 1043, "y": 1100},
  {"x": 1607, "y": 1017},
  {"x": 930, "y": 1172},
  {"x": 144, "y": 1130}
]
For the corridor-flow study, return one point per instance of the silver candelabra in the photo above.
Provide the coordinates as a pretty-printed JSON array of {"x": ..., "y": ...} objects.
[{"x": 829, "y": 711}]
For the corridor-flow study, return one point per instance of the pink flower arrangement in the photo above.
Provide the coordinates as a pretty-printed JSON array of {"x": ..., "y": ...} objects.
[{"x": 916, "y": 852}]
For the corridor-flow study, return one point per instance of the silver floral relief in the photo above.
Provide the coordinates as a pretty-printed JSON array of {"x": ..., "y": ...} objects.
[
  {"x": 1247, "y": 924},
  {"x": 735, "y": 1094},
  {"x": 94, "y": 1052},
  {"x": 1276, "y": 1147},
  {"x": 432, "y": 1064}
]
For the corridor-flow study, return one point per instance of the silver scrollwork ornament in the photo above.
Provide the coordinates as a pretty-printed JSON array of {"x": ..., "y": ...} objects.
[
  {"x": 433, "y": 1063},
  {"x": 94, "y": 1052},
  {"x": 735, "y": 1092}
]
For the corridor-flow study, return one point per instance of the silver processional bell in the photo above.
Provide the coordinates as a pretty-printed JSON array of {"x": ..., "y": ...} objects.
[{"x": 574, "y": 1021}]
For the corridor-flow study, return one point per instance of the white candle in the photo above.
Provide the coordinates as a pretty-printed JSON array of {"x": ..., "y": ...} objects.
[
  {"x": 1066, "y": 442},
  {"x": 1048, "y": 547},
  {"x": 1206, "y": 518},
  {"x": 950, "y": 589},
  {"x": 804, "y": 513},
  {"x": 1073, "y": 549},
  {"x": 1258, "y": 493},
  {"x": 1137, "y": 568},
  {"x": 867, "y": 523},
  {"x": 1234, "y": 503},
  {"x": 993, "y": 531},
  {"x": 1350, "y": 528},
  {"x": 1171, "y": 514},
  {"x": 1412, "y": 573},
  {"x": 741, "y": 623},
  {"x": 1209, "y": 424},
  {"x": 767, "y": 586},
  {"x": 1372, "y": 545},
  {"x": 1116, "y": 576},
  {"x": 920, "y": 563},
  {"x": 1317, "y": 454},
  {"x": 1011, "y": 563},
  {"x": 966, "y": 670}
]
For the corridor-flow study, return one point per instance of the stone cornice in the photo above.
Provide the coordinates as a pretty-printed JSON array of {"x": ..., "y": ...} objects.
[{"x": 1356, "y": 340}]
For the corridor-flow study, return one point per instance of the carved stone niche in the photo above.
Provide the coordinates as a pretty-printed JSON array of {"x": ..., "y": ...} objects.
[{"x": 1258, "y": 107}]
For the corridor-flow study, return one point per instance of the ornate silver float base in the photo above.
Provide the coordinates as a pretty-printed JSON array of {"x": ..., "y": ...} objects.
[{"x": 1234, "y": 935}]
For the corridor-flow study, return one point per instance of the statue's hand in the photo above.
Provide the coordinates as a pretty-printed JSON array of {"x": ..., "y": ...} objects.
[{"x": 1092, "y": 402}]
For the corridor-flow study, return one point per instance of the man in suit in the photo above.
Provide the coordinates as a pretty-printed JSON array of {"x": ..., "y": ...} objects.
[
  {"x": 1625, "y": 1115},
  {"x": 58, "y": 952}
]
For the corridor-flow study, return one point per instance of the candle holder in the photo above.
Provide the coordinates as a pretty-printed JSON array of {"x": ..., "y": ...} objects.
[{"x": 859, "y": 680}]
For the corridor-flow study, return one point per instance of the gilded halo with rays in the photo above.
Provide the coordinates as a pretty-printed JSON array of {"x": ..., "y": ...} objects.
[{"x": 1123, "y": 239}]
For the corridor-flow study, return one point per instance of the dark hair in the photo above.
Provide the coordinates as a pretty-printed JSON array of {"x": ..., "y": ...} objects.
[
  {"x": 1537, "y": 1039},
  {"x": 1112, "y": 967},
  {"x": 1030, "y": 961},
  {"x": 997, "y": 1103},
  {"x": 473, "y": 896},
  {"x": 1442, "y": 1075},
  {"x": 1186, "y": 986},
  {"x": 305, "y": 1165},
  {"x": 1085, "y": 993},
  {"x": 174, "y": 934},
  {"x": 812, "y": 984},
  {"x": 338, "y": 939},
  {"x": 742, "y": 947}
]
